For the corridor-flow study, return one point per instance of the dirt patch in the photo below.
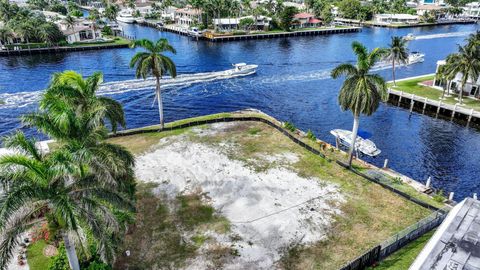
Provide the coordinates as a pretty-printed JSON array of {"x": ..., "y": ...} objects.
[
  {"x": 50, "y": 251},
  {"x": 267, "y": 210}
]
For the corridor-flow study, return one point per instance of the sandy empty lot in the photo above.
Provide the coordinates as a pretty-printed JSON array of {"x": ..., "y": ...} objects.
[{"x": 269, "y": 210}]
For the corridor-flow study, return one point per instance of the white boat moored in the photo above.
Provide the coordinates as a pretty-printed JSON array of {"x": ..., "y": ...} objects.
[
  {"x": 364, "y": 146},
  {"x": 125, "y": 16}
]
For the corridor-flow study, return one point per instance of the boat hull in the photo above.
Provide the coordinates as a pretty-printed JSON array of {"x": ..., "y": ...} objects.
[{"x": 363, "y": 146}]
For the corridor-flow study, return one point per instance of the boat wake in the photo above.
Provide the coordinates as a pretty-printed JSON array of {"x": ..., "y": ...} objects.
[
  {"x": 23, "y": 99},
  {"x": 443, "y": 35}
]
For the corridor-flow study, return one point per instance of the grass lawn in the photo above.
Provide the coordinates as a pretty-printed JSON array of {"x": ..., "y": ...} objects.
[
  {"x": 403, "y": 258},
  {"x": 35, "y": 258},
  {"x": 413, "y": 87},
  {"x": 370, "y": 214}
]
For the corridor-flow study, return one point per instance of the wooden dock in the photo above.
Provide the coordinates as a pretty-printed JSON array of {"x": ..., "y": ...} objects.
[
  {"x": 60, "y": 49},
  {"x": 313, "y": 32},
  {"x": 438, "y": 107}
]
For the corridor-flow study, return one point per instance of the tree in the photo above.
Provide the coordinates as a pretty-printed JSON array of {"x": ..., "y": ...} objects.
[
  {"x": 111, "y": 12},
  {"x": 466, "y": 63},
  {"x": 350, "y": 9},
  {"x": 94, "y": 16},
  {"x": 37, "y": 185},
  {"x": 70, "y": 22},
  {"x": 246, "y": 23},
  {"x": 286, "y": 18},
  {"x": 361, "y": 91},
  {"x": 327, "y": 15},
  {"x": 50, "y": 33},
  {"x": 397, "y": 52},
  {"x": 154, "y": 62},
  {"x": 5, "y": 35}
]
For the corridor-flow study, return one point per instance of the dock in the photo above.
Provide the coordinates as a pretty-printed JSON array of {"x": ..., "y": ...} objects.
[
  {"x": 60, "y": 49},
  {"x": 222, "y": 38},
  {"x": 438, "y": 107}
]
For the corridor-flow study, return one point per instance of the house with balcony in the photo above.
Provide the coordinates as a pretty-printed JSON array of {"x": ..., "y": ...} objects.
[
  {"x": 471, "y": 10},
  {"x": 82, "y": 31},
  {"x": 188, "y": 16},
  {"x": 305, "y": 20},
  {"x": 386, "y": 19}
]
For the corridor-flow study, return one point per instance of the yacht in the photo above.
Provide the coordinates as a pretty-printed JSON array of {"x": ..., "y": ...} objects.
[
  {"x": 413, "y": 58},
  {"x": 242, "y": 69},
  {"x": 125, "y": 16},
  {"x": 362, "y": 145},
  {"x": 194, "y": 32}
]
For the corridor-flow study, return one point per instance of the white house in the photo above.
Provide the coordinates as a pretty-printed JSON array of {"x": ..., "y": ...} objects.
[
  {"x": 188, "y": 16},
  {"x": 470, "y": 89},
  {"x": 82, "y": 31},
  {"x": 396, "y": 19},
  {"x": 472, "y": 10},
  {"x": 227, "y": 24},
  {"x": 168, "y": 13}
]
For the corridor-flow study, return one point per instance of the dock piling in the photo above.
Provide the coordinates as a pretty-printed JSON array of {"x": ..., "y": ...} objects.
[
  {"x": 429, "y": 182},
  {"x": 475, "y": 196},
  {"x": 424, "y": 105},
  {"x": 450, "y": 196},
  {"x": 385, "y": 163},
  {"x": 400, "y": 98},
  {"x": 454, "y": 110},
  {"x": 411, "y": 105},
  {"x": 470, "y": 116}
]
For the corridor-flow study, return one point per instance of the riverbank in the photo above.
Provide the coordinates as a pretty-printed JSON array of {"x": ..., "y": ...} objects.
[
  {"x": 217, "y": 37},
  {"x": 296, "y": 228},
  {"x": 26, "y": 49},
  {"x": 400, "y": 26},
  {"x": 418, "y": 93}
]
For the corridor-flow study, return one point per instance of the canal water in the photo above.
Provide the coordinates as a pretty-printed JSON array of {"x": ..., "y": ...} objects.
[{"x": 293, "y": 84}]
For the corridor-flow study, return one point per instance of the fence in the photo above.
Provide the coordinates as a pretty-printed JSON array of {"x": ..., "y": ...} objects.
[{"x": 398, "y": 241}]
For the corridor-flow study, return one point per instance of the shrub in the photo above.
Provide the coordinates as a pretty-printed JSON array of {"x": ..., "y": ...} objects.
[
  {"x": 60, "y": 262},
  {"x": 438, "y": 197},
  {"x": 290, "y": 126},
  {"x": 311, "y": 136}
]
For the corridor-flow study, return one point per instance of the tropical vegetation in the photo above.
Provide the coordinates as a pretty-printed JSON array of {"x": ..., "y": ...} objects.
[
  {"x": 83, "y": 189},
  {"x": 396, "y": 53},
  {"x": 154, "y": 62},
  {"x": 362, "y": 91}
]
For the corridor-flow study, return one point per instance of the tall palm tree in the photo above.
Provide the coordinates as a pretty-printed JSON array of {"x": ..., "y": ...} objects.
[
  {"x": 154, "y": 62},
  {"x": 396, "y": 52},
  {"x": 5, "y": 35},
  {"x": 37, "y": 185},
  {"x": 467, "y": 63},
  {"x": 361, "y": 91}
]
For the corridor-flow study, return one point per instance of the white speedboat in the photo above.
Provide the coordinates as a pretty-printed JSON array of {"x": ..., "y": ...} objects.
[
  {"x": 194, "y": 32},
  {"x": 125, "y": 16},
  {"x": 362, "y": 145},
  {"x": 409, "y": 37},
  {"x": 242, "y": 69},
  {"x": 413, "y": 58}
]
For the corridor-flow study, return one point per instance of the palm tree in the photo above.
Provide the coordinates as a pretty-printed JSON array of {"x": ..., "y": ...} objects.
[
  {"x": 37, "y": 186},
  {"x": 397, "y": 52},
  {"x": 69, "y": 22},
  {"x": 154, "y": 62},
  {"x": 361, "y": 91},
  {"x": 467, "y": 63},
  {"x": 443, "y": 75},
  {"x": 94, "y": 16},
  {"x": 111, "y": 12},
  {"x": 5, "y": 35}
]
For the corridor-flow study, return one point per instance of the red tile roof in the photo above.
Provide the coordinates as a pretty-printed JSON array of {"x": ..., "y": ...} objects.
[
  {"x": 313, "y": 20},
  {"x": 303, "y": 15}
]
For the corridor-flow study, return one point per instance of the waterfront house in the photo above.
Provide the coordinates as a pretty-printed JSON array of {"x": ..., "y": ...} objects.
[
  {"x": 305, "y": 20},
  {"x": 472, "y": 10},
  {"x": 229, "y": 24},
  {"x": 470, "y": 89},
  {"x": 387, "y": 19},
  {"x": 168, "y": 14},
  {"x": 440, "y": 11},
  {"x": 188, "y": 16},
  {"x": 82, "y": 31}
]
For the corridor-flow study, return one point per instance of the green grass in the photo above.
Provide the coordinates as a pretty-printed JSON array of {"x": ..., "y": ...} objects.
[
  {"x": 367, "y": 217},
  {"x": 403, "y": 258},
  {"x": 412, "y": 87},
  {"x": 35, "y": 258}
]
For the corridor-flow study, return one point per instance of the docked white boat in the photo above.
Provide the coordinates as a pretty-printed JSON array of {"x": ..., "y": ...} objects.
[
  {"x": 413, "y": 58},
  {"x": 242, "y": 69},
  {"x": 195, "y": 32},
  {"x": 125, "y": 16},
  {"x": 362, "y": 145}
]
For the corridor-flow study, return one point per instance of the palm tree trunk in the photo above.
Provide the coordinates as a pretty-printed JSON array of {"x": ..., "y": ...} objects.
[
  {"x": 393, "y": 73},
  {"x": 71, "y": 253},
  {"x": 356, "y": 122},
  {"x": 160, "y": 103}
]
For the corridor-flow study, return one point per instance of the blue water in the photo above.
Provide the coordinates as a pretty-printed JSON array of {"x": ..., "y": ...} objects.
[{"x": 292, "y": 84}]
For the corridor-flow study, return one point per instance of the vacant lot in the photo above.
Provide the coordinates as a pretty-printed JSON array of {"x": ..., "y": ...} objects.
[{"x": 232, "y": 195}]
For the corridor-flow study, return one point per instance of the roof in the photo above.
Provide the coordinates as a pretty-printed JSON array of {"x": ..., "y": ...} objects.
[
  {"x": 429, "y": 7},
  {"x": 313, "y": 20},
  {"x": 303, "y": 15},
  {"x": 398, "y": 16},
  {"x": 189, "y": 11},
  {"x": 456, "y": 243}
]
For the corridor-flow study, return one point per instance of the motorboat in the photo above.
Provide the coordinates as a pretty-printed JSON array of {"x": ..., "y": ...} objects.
[
  {"x": 410, "y": 36},
  {"x": 242, "y": 69},
  {"x": 125, "y": 16},
  {"x": 362, "y": 144},
  {"x": 194, "y": 32},
  {"x": 413, "y": 58}
]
